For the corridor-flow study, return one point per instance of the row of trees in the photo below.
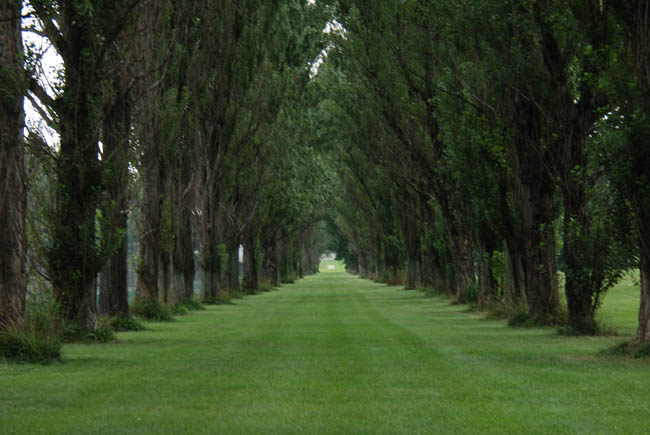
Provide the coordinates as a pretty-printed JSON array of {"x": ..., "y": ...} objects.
[
  {"x": 487, "y": 146},
  {"x": 186, "y": 114},
  {"x": 478, "y": 147}
]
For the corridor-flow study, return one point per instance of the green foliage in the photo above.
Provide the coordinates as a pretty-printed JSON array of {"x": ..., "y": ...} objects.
[
  {"x": 520, "y": 318},
  {"x": 122, "y": 324},
  {"x": 629, "y": 349},
  {"x": 587, "y": 327},
  {"x": 40, "y": 338},
  {"x": 105, "y": 332},
  {"x": 180, "y": 310},
  {"x": 265, "y": 287},
  {"x": 222, "y": 298},
  {"x": 75, "y": 332},
  {"x": 289, "y": 278},
  {"x": 151, "y": 309},
  {"x": 470, "y": 294},
  {"x": 22, "y": 345},
  {"x": 191, "y": 304},
  {"x": 497, "y": 265},
  {"x": 499, "y": 310}
]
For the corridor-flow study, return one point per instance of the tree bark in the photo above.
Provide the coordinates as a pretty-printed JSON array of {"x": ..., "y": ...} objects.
[
  {"x": 183, "y": 265},
  {"x": 579, "y": 266},
  {"x": 113, "y": 295},
  {"x": 232, "y": 272},
  {"x": 288, "y": 265},
  {"x": 534, "y": 189},
  {"x": 643, "y": 331},
  {"x": 212, "y": 270},
  {"x": 487, "y": 283},
  {"x": 164, "y": 277},
  {"x": 212, "y": 249},
  {"x": 461, "y": 255},
  {"x": 515, "y": 291},
  {"x": 251, "y": 264},
  {"x": 542, "y": 292},
  {"x": 270, "y": 262},
  {"x": 361, "y": 264},
  {"x": 13, "y": 239},
  {"x": 147, "y": 284},
  {"x": 73, "y": 258}
]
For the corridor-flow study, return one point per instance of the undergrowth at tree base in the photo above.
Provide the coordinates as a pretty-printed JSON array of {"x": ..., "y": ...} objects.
[
  {"x": 632, "y": 349},
  {"x": 75, "y": 332},
  {"x": 265, "y": 287},
  {"x": 591, "y": 328},
  {"x": 38, "y": 339},
  {"x": 23, "y": 345},
  {"x": 152, "y": 309},
  {"x": 191, "y": 304},
  {"x": 221, "y": 298},
  {"x": 123, "y": 324}
]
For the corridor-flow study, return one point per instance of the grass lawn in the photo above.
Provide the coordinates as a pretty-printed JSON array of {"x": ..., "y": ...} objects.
[
  {"x": 620, "y": 309},
  {"x": 336, "y": 354}
]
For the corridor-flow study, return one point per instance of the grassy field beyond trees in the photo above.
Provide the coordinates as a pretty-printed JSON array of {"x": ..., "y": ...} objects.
[{"x": 336, "y": 354}]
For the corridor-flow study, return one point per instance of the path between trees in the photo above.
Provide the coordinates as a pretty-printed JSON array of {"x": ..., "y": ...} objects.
[{"x": 330, "y": 354}]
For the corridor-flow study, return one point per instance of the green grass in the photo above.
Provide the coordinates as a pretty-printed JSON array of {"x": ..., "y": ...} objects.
[
  {"x": 621, "y": 306},
  {"x": 334, "y": 354}
]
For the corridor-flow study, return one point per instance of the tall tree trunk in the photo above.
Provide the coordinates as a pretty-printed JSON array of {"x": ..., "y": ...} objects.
[
  {"x": 271, "y": 263},
  {"x": 533, "y": 197},
  {"x": 164, "y": 277},
  {"x": 461, "y": 256},
  {"x": 361, "y": 264},
  {"x": 542, "y": 292},
  {"x": 439, "y": 279},
  {"x": 183, "y": 267},
  {"x": 251, "y": 264},
  {"x": 232, "y": 272},
  {"x": 151, "y": 133},
  {"x": 147, "y": 284},
  {"x": 409, "y": 228},
  {"x": 487, "y": 283},
  {"x": 13, "y": 239},
  {"x": 379, "y": 260},
  {"x": 643, "y": 331},
  {"x": 412, "y": 256},
  {"x": 113, "y": 295},
  {"x": 574, "y": 120},
  {"x": 73, "y": 259},
  {"x": 580, "y": 268},
  {"x": 460, "y": 246},
  {"x": 288, "y": 266},
  {"x": 411, "y": 273},
  {"x": 515, "y": 291},
  {"x": 113, "y": 289},
  {"x": 212, "y": 250},
  {"x": 211, "y": 271}
]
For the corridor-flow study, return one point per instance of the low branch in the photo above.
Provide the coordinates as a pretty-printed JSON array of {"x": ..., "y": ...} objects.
[
  {"x": 45, "y": 115},
  {"x": 40, "y": 93},
  {"x": 50, "y": 31}
]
